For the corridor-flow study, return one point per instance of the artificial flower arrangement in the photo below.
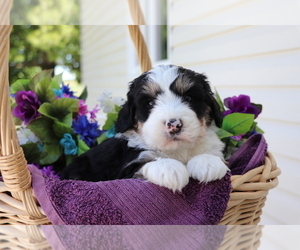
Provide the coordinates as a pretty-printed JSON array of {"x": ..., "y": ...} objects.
[
  {"x": 55, "y": 125},
  {"x": 238, "y": 122}
]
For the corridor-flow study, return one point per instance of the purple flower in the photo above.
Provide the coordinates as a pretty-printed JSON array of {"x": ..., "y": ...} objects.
[
  {"x": 88, "y": 131},
  {"x": 83, "y": 109},
  {"x": 27, "y": 106},
  {"x": 240, "y": 104},
  {"x": 237, "y": 137},
  {"x": 47, "y": 171},
  {"x": 94, "y": 112}
]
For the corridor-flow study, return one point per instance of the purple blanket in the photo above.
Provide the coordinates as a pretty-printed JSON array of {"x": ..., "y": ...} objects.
[
  {"x": 134, "y": 237},
  {"x": 138, "y": 202},
  {"x": 249, "y": 156},
  {"x": 130, "y": 201}
]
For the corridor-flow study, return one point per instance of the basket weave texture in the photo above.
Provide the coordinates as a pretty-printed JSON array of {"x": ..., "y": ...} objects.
[{"x": 17, "y": 203}]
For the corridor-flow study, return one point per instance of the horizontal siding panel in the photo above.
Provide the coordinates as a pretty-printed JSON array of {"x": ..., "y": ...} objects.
[
  {"x": 117, "y": 56},
  {"x": 104, "y": 59},
  {"x": 103, "y": 12},
  {"x": 266, "y": 219},
  {"x": 185, "y": 12},
  {"x": 290, "y": 174},
  {"x": 238, "y": 12},
  {"x": 101, "y": 35},
  {"x": 100, "y": 45},
  {"x": 182, "y": 35},
  {"x": 271, "y": 71},
  {"x": 254, "y": 41},
  {"x": 283, "y": 206},
  {"x": 280, "y": 237},
  {"x": 282, "y": 137}
]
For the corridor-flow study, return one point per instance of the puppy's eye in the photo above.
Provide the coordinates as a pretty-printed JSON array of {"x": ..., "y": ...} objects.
[
  {"x": 150, "y": 103},
  {"x": 187, "y": 98}
]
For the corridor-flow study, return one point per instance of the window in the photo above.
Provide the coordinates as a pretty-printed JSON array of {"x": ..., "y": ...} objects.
[{"x": 156, "y": 32}]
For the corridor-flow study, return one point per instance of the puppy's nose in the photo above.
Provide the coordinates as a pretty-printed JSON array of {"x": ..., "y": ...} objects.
[{"x": 174, "y": 126}]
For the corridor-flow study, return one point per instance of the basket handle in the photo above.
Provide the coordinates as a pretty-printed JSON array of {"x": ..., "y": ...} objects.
[
  {"x": 137, "y": 36},
  {"x": 13, "y": 164}
]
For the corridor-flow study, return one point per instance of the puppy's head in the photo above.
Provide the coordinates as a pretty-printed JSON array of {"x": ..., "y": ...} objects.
[{"x": 169, "y": 107}]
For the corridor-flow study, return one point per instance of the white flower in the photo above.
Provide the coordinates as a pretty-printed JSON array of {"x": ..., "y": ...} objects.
[
  {"x": 108, "y": 103},
  {"x": 25, "y": 135}
]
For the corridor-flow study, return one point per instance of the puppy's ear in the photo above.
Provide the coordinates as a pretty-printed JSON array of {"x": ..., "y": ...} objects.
[
  {"x": 126, "y": 117},
  {"x": 215, "y": 111},
  {"x": 214, "y": 108}
]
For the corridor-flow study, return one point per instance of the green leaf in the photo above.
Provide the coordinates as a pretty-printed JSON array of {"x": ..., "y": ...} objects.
[
  {"x": 63, "y": 109},
  {"x": 69, "y": 159},
  {"x": 56, "y": 81},
  {"x": 233, "y": 143},
  {"x": 82, "y": 147},
  {"x": 31, "y": 152},
  {"x": 117, "y": 108},
  {"x": 259, "y": 130},
  {"x": 66, "y": 105},
  {"x": 19, "y": 85},
  {"x": 45, "y": 74},
  {"x": 111, "y": 118},
  {"x": 60, "y": 109},
  {"x": 219, "y": 101},
  {"x": 67, "y": 119},
  {"x": 237, "y": 123},
  {"x": 84, "y": 94},
  {"x": 47, "y": 110},
  {"x": 45, "y": 91},
  {"x": 102, "y": 138},
  {"x": 51, "y": 153},
  {"x": 60, "y": 129},
  {"x": 223, "y": 134},
  {"x": 43, "y": 129}
]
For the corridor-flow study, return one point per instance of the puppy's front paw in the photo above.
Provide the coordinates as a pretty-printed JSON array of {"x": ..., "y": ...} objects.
[
  {"x": 206, "y": 168},
  {"x": 167, "y": 173}
]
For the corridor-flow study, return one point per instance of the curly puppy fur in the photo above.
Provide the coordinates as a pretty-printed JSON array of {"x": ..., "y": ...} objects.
[{"x": 165, "y": 133}]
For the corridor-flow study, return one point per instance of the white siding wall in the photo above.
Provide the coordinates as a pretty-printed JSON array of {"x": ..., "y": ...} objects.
[
  {"x": 262, "y": 61},
  {"x": 104, "y": 60},
  {"x": 104, "y": 12},
  {"x": 227, "y": 41}
]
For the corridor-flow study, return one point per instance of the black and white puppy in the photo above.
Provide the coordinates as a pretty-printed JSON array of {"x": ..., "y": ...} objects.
[{"x": 165, "y": 133}]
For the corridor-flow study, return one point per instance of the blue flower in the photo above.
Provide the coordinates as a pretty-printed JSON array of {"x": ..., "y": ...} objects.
[
  {"x": 58, "y": 93},
  {"x": 88, "y": 131},
  {"x": 69, "y": 145},
  {"x": 111, "y": 132},
  {"x": 67, "y": 91},
  {"x": 64, "y": 92}
]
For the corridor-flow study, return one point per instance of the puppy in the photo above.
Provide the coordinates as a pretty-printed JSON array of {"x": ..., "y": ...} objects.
[{"x": 165, "y": 133}]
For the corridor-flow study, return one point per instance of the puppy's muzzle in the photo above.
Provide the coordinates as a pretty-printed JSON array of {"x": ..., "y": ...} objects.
[{"x": 174, "y": 126}]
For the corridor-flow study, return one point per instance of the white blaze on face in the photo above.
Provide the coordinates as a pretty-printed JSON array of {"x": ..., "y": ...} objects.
[
  {"x": 163, "y": 75},
  {"x": 169, "y": 106}
]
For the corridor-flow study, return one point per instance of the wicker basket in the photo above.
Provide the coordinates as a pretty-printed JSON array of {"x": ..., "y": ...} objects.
[{"x": 17, "y": 204}]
